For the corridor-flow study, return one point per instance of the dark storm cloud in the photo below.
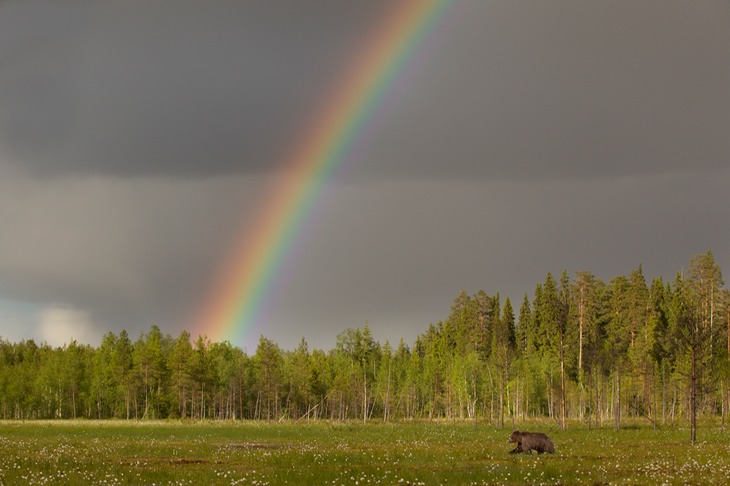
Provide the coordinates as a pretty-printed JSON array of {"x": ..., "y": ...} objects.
[
  {"x": 502, "y": 89},
  {"x": 396, "y": 253},
  {"x": 139, "y": 139},
  {"x": 559, "y": 89},
  {"x": 130, "y": 251},
  {"x": 175, "y": 88}
]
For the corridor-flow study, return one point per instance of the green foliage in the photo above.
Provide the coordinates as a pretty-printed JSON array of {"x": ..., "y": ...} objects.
[{"x": 578, "y": 349}]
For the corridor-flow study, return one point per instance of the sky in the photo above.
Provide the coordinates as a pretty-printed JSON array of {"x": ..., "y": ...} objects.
[{"x": 138, "y": 139}]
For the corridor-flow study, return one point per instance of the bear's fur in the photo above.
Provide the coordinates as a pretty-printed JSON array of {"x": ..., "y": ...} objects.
[{"x": 528, "y": 441}]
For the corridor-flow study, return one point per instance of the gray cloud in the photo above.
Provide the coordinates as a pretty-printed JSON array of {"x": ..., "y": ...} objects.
[
  {"x": 505, "y": 89},
  {"x": 566, "y": 89},
  {"x": 169, "y": 87},
  {"x": 397, "y": 253},
  {"x": 131, "y": 251},
  {"x": 136, "y": 139}
]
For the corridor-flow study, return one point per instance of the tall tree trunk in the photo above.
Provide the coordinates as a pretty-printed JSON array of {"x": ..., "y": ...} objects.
[
  {"x": 474, "y": 393},
  {"x": 59, "y": 414},
  {"x": 551, "y": 407},
  {"x": 386, "y": 408},
  {"x": 562, "y": 383},
  {"x": 693, "y": 397},
  {"x": 501, "y": 401},
  {"x": 146, "y": 391},
  {"x": 712, "y": 314},
  {"x": 364, "y": 396},
  {"x": 240, "y": 398},
  {"x": 617, "y": 402},
  {"x": 562, "y": 394},
  {"x": 526, "y": 412},
  {"x": 664, "y": 392},
  {"x": 581, "y": 310}
]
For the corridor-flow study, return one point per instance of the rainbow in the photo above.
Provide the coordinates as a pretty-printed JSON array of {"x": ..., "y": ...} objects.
[{"x": 239, "y": 293}]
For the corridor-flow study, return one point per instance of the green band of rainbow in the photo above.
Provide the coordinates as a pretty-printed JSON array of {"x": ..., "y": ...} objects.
[{"x": 239, "y": 294}]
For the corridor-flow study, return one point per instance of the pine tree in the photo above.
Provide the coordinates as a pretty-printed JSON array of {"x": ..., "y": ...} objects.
[
  {"x": 586, "y": 304},
  {"x": 102, "y": 379},
  {"x": 122, "y": 365},
  {"x": 618, "y": 339},
  {"x": 299, "y": 372},
  {"x": 706, "y": 280},
  {"x": 181, "y": 374},
  {"x": 551, "y": 330},
  {"x": 268, "y": 361},
  {"x": 640, "y": 346}
]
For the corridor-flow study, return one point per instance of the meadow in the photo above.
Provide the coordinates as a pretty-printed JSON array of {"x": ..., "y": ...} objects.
[{"x": 334, "y": 453}]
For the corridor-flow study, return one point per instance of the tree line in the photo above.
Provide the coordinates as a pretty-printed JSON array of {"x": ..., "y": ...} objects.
[{"x": 577, "y": 348}]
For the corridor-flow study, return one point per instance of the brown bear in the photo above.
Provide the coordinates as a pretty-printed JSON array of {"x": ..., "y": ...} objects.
[{"x": 527, "y": 441}]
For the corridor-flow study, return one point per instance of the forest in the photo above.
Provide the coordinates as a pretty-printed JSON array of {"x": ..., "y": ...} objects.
[{"x": 578, "y": 348}]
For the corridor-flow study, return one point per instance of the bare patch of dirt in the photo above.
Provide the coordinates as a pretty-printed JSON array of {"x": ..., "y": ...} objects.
[{"x": 182, "y": 462}]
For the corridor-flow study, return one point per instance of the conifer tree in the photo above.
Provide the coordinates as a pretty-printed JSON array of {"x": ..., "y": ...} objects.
[
  {"x": 180, "y": 366},
  {"x": 268, "y": 361},
  {"x": 102, "y": 377},
  {"x": 706, "y": 280},
  {"x": 618, "y": 339},
  {"x": 123, "y": 365}
]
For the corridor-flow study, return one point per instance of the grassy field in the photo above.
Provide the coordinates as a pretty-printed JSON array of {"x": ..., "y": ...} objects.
[{"x": 114, "y": 452}]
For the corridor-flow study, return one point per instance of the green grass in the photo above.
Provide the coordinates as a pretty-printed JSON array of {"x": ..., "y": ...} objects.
[{"x": 116, "y": 452}]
